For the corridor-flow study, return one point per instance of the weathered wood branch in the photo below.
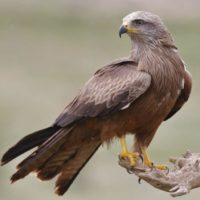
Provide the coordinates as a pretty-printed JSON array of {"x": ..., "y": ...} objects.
[{"x": 184, "y": 177}]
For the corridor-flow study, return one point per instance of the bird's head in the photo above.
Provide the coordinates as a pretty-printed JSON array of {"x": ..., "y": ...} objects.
[{"x": 144, "y": 26}]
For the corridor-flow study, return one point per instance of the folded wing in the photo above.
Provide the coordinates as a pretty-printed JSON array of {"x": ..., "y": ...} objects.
[{"x": 112, "y": 88}]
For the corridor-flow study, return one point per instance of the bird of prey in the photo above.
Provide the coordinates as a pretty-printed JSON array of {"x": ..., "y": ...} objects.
[{"x": 130, "y": 95}]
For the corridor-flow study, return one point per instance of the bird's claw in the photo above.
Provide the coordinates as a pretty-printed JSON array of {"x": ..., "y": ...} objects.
[
  {"x": 131, "y": 157},
  {"x": 129, "y": 171},
  {"x": 142, "y": 159},
  {"x": 161, "y": 167},
  {"x": 139, "y": 180},
  {"x": 153, "y": 166}
]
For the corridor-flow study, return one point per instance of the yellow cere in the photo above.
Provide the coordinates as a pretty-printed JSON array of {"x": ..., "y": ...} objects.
[{"x": 129, "y": 29}]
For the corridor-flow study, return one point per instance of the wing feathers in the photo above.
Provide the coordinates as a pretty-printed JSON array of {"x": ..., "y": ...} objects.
[
  {"x": 112, "y": 88},
  {"x": 28, "y": 142},
  {"x": 109, "y": 90}
]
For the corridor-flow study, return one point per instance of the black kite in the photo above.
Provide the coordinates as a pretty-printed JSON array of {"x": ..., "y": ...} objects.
[{"x": 134, "y": 94}]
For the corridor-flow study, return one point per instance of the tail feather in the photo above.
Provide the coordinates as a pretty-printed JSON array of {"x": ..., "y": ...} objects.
[
  {"x": 41, "y": 155},
  {"x": 54, "y": 164},
  {"x": 28, "y": 142},
  {"x": 63, "y": 151},
  {"x": 71, "y": 169}
]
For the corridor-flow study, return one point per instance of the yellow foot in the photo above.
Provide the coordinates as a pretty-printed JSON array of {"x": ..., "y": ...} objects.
[
  {"x": 160, "y": 167},
  {"x": 149, "y": 163},
  {"x": 132, "y": 157}
]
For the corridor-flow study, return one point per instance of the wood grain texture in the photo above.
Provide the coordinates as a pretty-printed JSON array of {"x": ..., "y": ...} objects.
[{"x": 179, "y": 181}]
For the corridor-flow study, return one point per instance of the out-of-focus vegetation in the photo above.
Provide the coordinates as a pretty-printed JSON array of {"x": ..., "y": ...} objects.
[{"x": 46, "y": 56}]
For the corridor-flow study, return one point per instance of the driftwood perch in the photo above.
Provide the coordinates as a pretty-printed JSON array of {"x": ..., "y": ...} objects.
[{"x": 184, "y": 177}]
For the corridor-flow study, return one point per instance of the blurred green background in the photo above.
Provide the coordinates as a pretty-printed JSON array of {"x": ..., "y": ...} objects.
[{"x": 48, "y": 49}]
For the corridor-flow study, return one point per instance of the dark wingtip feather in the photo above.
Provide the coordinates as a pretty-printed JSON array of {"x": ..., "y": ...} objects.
[
  {"x": 2, "y": 162},
  {"x": 28, "y": 142},
  {"x": 7, "y": 156}
]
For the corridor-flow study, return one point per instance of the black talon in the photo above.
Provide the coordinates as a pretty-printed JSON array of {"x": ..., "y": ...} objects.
[
  {"x": 139, "y": 180},
  {"x": 152, "y": 166},
  {"x": 167, "y": 170},
  {"x": 142, "y": 159},
  {"x": 129, "y": 171}
]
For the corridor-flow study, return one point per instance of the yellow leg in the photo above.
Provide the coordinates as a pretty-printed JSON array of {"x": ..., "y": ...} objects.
[
  {"x": 126, "y": 154},
  {"x": 146, "y": 159},
  {"x": 148, "y": 162},
  {"x": 123, "y": 144}
]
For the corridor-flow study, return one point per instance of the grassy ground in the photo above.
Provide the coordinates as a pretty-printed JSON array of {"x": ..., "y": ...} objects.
[{"x": 45, "y": 58}]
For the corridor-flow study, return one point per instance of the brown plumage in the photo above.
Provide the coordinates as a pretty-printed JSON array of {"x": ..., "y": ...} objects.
[{"x": 134, "y": 94}]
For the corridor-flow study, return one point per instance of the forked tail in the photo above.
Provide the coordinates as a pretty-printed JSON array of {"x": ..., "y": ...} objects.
[{"x": 56, "y": 154}]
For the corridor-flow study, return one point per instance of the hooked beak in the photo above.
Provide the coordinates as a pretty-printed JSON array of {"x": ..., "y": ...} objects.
[
  {"x": 123, "y": 29},
  {"x": 126, "y": 28}
]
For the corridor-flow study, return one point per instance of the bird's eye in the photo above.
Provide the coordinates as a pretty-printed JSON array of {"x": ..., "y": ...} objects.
[{"x": 138, "y": 22}]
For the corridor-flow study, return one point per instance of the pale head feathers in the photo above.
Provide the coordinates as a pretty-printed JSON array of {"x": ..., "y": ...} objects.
[{"x": 146, "y": 27}]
